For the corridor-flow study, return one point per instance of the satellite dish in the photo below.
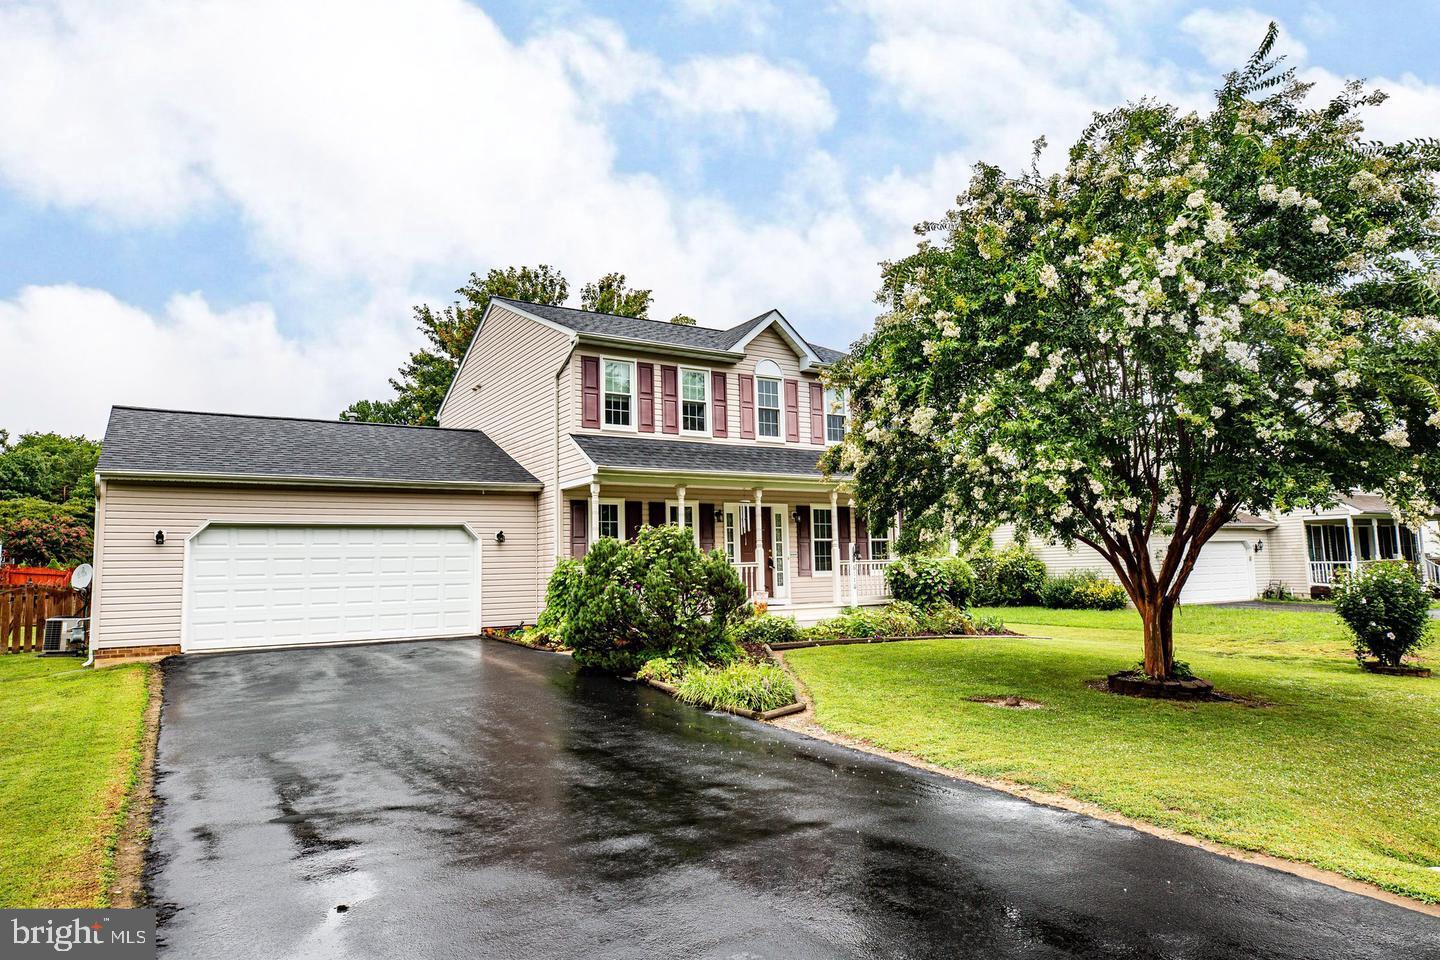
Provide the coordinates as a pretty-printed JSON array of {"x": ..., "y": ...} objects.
[{"x": 81, "y": 577}]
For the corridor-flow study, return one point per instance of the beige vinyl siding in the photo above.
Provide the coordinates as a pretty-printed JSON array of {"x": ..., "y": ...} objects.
[
  {"x": 139, "y": 597},
  {"x": 769, "y": 345},
  {"x": 513, "y": 362},
  {"x": 1289, "y": 554}
]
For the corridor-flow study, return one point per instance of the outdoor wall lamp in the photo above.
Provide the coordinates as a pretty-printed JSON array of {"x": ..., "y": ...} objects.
[
  {"x": 500, "y": 536},
  {"x": 1259, "y": 545},
  {"x": 159, "y": 538},
  {"x": 795, "y": 515}
]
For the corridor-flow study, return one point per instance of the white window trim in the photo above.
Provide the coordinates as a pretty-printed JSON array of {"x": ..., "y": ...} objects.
[
  {"x": 619, "y": 506},
  {"x": 694, "y": 508},
  {"x": 680, "y": 401},
  {"x": 780, "y": 400},
  {"x": 844, "y": 413},
  {"x": 833, "y": 540},
  {"x": 634, "y": 426},
  {"x": 889, "y": 540}
]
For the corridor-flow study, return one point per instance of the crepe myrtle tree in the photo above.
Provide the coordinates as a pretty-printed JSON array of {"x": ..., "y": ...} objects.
[{"x": 1199, "y": 315}]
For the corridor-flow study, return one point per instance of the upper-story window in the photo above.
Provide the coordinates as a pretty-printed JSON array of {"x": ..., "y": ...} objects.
[
  {"x": 836, "y": 412},
  {"x": 619, "y": 393},
  {"x": 694, "y": 401},
  {"x": 767, "y": 400}
]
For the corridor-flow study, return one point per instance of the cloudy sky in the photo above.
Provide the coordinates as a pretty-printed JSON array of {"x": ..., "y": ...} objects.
[{"x": 231, "y": 205}]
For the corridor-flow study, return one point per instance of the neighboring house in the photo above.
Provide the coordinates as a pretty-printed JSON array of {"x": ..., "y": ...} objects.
[
  {"x": 562, "y": 426},
  {"x": 1300, "y": 550}
]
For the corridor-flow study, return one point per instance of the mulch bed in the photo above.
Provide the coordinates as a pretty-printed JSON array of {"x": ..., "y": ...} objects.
[
  {"x": 1138, "y": 685},
  {"x": 1404, "y": 670}
]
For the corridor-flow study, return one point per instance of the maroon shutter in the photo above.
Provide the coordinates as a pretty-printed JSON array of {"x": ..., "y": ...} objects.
[
  {"x": 802, "y": 539},
  {"x": 862, "y": 536},
  {"x": 705, "y": 523},
  {"x": 657, "y": 513},
  {"x": 645, "y": 373},
  {"x": 590, "y": 391},
  {"x": 842, "y": 517},
  {"x": 719, "y": 408},
  {"x": 747, "y": 407},
  {"x": 792, "y": 411},
  {"x": 579, "y": 527},
  {"x": 669, "y": 399},
  {"x": 633, "y": 514},
  {"x": 817, "y": 413}
]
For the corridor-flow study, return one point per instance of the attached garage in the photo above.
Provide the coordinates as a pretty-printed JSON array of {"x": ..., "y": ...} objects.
[
  {"x": 218, "y": 532},
  {"x": 1224, "y": 572},
  {"x": 264, "y": 584}
]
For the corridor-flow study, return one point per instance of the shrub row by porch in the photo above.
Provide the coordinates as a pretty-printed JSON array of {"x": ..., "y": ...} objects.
[{"x": 998, "y": 578}]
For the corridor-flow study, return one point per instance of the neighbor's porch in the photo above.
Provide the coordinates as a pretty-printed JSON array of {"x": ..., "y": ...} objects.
[
  {"x": 1336, "y": 545},
  {"x": 803, "y": 551}
]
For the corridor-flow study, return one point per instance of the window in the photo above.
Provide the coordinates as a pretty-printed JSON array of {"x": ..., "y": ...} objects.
[
  {"x": 822, "y": 542},
  {"x": 619, "y": 393},
  {"x": 610, "y": 511},
  {"x": 672, "y": 510},
  {"x": 767, "y": 408},
  {"x": 694, "y": 401},
  {"x": 879, "y": 538},
  {"x": 731, "y": 547},
  {"x": 836, "y": 411}
]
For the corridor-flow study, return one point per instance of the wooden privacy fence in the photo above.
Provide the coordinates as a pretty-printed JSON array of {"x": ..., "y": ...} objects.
[{"x": 24, "y": 610}]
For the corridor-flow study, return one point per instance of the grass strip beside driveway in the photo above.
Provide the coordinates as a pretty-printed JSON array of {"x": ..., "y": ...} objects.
[
  {"x": 71, "y": 743},
  {"x": 1339, "y": 770}
]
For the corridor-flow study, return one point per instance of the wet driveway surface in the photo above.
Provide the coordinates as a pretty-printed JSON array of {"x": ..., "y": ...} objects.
[{"x": 474, "y": 799}]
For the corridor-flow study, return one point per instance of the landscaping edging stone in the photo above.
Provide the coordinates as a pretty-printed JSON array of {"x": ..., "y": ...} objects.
[
  {"x": 784, "y": 711},
  {"x": 1133, "y": 686},
  {"x": 1375, "y": 666},
  {"x": 842, "y": 641}
]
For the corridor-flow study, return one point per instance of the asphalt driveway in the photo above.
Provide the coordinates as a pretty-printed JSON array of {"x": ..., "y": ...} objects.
[{"x": 474, "y": 799}]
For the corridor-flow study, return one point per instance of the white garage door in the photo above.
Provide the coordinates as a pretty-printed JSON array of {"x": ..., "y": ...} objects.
[
  {"x": 256, "y": 586},
  {"x": 1222, "y": 573}
]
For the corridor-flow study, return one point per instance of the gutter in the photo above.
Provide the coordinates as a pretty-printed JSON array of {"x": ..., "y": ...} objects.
[{"x": 162, "y": 476}]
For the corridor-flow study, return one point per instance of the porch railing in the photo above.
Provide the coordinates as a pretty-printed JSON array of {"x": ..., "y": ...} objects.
[
  {"x": 868, "y": 583},
  {"x": 1323, "y": 572},
  {"x": 1432, "y": 570},
  {"x": 749, "y": 576}
]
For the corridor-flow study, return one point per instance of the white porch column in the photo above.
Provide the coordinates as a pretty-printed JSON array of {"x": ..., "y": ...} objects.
[
  {"x": 760, "y": 544},
  {"x": 680, "y": 507},
  {"x": 594, "y": 513},
  {"x": 854, "y": 557},
  {"x": 1350, "y": 534},
  {"x": 1375, "y": 537},
  {"x": 835, "y": 558}
]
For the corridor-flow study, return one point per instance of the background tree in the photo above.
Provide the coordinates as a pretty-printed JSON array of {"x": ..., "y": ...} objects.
[
  {"x": 609, "y": 294},
  {"x": 424, "y": 378},
  {"x": 682, "y": 319},
  {"x": 1200, "y": 315},
  {"x": 47, "y": 498}
]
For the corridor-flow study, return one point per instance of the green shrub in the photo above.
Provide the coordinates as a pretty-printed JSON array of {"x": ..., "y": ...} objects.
[
  {"x": 767, "y": 628},
  {"x": 947, "y": 619},
  {"x": 1386, "y": 609},
  {"x": 989, "y": 624},
  {"x": 744, "y": 685},
  {"x": 1082, "y": 590},
  {"x": 1007, "y": 578},
  {"x": 626, "y": 603},
  {"x": 664, "y": 669},
  {"x": 928, "y": 581}
]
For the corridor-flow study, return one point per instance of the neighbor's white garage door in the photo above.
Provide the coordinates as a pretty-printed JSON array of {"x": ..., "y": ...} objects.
[
  {"x": 255, "y": 586},
  {"x": 1222, "y": 573}
]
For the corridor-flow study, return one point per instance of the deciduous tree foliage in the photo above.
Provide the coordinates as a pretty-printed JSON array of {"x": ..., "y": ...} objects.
[
  {"x": 1199, "y": 315},
  {"x": 609, "y": 294}
]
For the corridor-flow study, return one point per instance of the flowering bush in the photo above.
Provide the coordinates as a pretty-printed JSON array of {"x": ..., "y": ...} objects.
[
  {"x": 626, "y": 603},
  {"x": 1082, "y": 590},
  {"x": 1386, "y": 608},
  {"x": 1197, "y": 315},
  {"x": 1007, "y": 578},
  {"x": 55, "y": 541},
  {"x": 930, "y": 581}
]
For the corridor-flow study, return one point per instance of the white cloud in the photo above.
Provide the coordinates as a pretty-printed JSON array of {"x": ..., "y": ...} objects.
[
  {"x": 85, "y": 350},
  {"x": 1227, "y": 38}
]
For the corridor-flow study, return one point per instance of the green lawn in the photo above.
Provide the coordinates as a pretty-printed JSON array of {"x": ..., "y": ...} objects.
[
  {"x": 1342, "y": 770},
  {"x": 72, "y": 741}
]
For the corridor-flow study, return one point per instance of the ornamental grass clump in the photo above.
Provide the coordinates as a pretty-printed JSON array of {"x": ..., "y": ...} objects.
[
  {"x": 743, "y": 685},
  {"x": 1386, "y": 609}
]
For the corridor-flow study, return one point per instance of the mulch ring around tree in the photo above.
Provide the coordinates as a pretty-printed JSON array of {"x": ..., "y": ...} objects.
[
  {"x": 1404, "y": 670},
  {"x": 1131, "y": 684}
]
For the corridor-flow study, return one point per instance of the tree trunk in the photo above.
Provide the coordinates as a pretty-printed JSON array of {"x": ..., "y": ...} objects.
[{"x": 1158, "y": 618}]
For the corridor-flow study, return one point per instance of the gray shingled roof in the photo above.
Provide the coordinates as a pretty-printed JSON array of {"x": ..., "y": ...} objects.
[
  {"x": 139, "y": 440},
  {"x": 692, "y": 456},
  {"x": 653, "y": 331}
]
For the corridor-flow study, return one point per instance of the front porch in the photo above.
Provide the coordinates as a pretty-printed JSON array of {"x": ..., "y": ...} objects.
[
  {"x": 802, "y": 550},
  {"x": 1352, "y": 542}
]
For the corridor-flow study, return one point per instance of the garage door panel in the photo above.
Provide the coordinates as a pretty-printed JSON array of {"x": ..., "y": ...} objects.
[
  {"x": 1224, "y": 572},
  {"x": 269, "y": 585}
]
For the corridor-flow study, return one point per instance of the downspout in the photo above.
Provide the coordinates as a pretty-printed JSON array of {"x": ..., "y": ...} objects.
[
  {"x": 100, "y": 499},
  {"x": 555, "y": 498}
]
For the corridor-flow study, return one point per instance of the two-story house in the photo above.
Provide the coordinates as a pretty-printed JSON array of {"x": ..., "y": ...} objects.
[{"x": 218, "y": 532}]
